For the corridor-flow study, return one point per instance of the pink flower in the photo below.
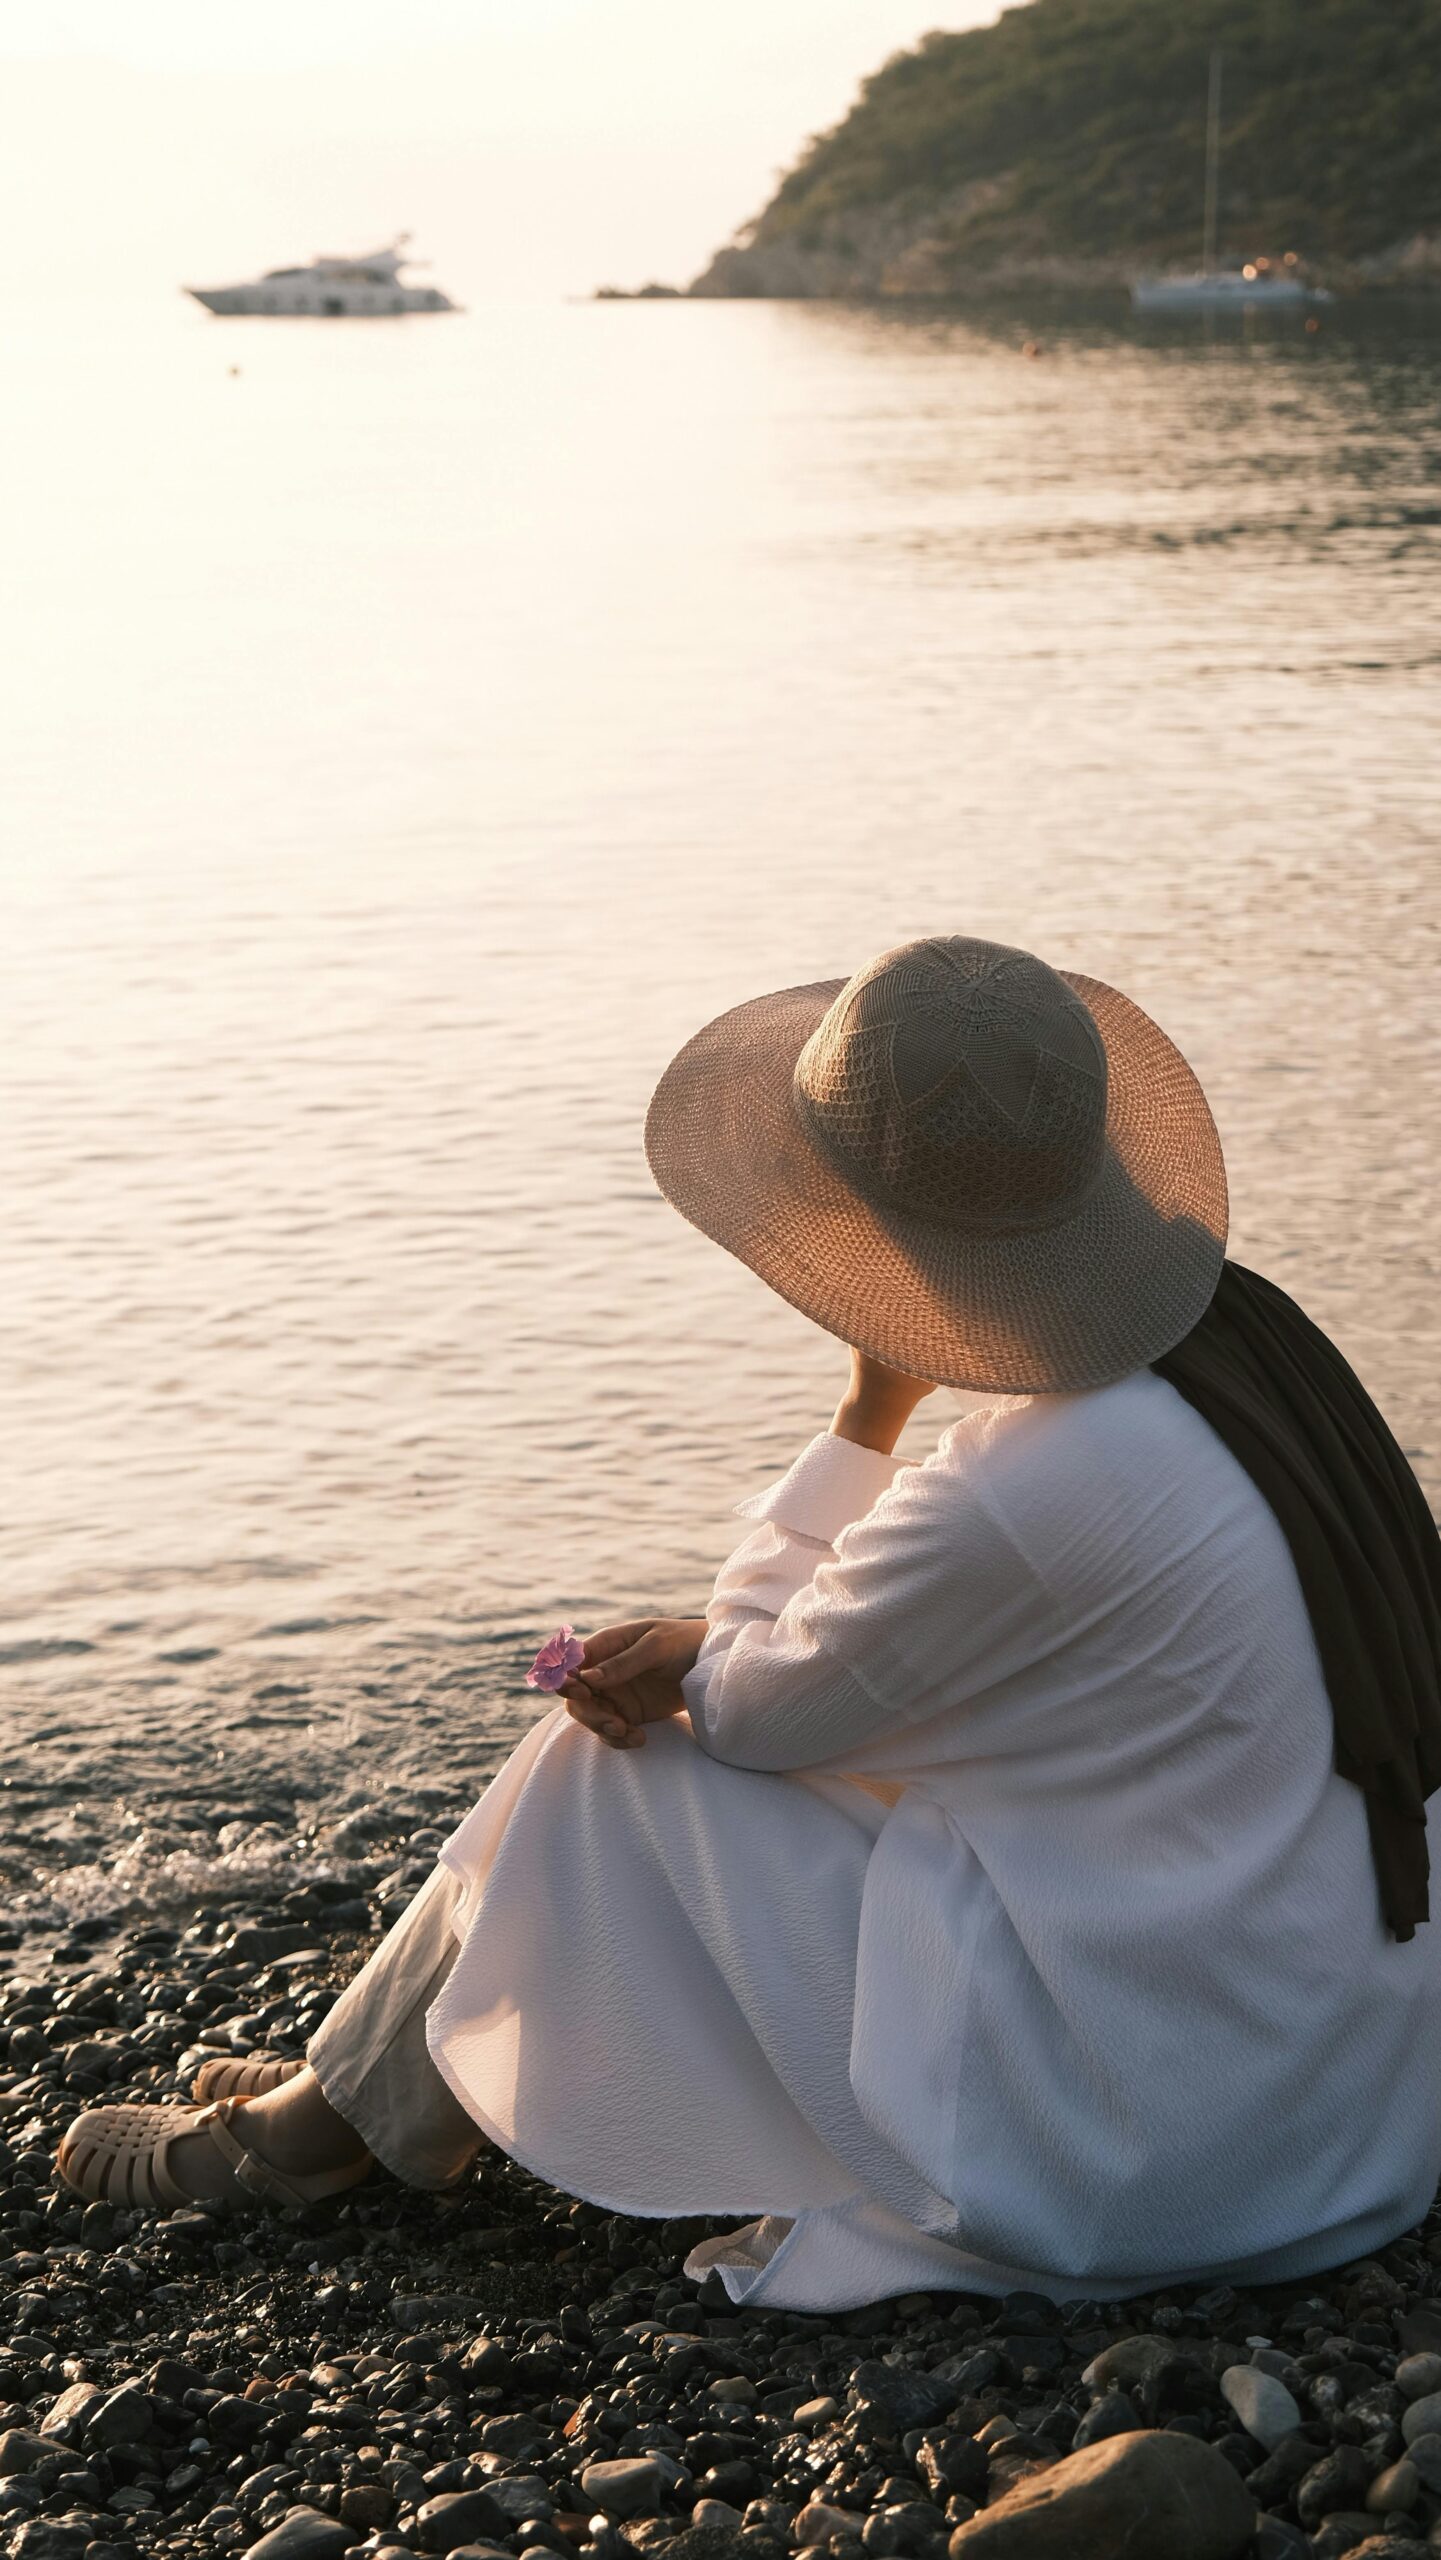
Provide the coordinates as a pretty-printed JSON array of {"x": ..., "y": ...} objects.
[{"x": 559, "y": 1656}]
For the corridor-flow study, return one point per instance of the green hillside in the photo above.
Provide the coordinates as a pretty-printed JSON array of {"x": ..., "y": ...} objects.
[{"x": 1069, "y": 139}]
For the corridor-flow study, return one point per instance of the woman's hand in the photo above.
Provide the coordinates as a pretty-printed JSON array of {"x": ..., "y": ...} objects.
[
  {"x": 878, "y": 1403},
  {"x": 630, "y": 1677}
]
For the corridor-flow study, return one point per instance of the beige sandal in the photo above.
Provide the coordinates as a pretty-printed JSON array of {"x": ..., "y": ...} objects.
[
  {"x": 120, "y": 2155},
  {"x": 233, "y": 2075}
]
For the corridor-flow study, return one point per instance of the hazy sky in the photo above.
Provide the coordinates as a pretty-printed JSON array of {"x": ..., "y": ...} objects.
[{"x": 531, "y": 145}]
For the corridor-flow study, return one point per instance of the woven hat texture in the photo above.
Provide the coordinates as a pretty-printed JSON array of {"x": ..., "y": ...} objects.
[{"x": 981, "y": 1169}]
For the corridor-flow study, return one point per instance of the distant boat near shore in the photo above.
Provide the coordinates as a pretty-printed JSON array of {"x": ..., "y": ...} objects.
[
  {"x": 363, "y": 288},
  {"x": 1250, "y": 288},
  {"x": 1261, "y": 285}
]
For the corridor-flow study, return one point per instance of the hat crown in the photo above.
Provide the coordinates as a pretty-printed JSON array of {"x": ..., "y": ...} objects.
[{"x": 962, "y": 1083}]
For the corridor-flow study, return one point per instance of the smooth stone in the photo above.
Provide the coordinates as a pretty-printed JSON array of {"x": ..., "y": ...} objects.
[
  {"x": 521, "y": 2496},
  {"x": 906, "y": 2396},
  {"x": 971, "y": 2372},
  {"x": 628, "y": 2486},
  {"x": 1395, "y": 2490},
  {"x": 20, "y": 2451},
  {"x": 305, "y": 2534},
  {"x": 1148, "y": 2492},
  {"x": 1263, "y": 2405},
  {"x": 716, "y": 2513},
  {"x": 1423, "y": 2418},
  {"x": 1390, "y": 2546},
  {"x": 1129, "y": 2361},
  {"x": 51, "y": 2538},
  {"x": 1276, "y": 2477},
  {"x": 518, "y": 2436},
  {"x": 813, "y": 2414},
  {"x": 458, "y": 2516},
  {"x": 1111, "y": 2415},
  {"x": 74, "y": 2403},
  {"x": 1424, "y": 2455},
  {"x": 820, "y": 2523},
  {"x": 1418, "y": 2377},
  {"x": 123, "y": 2417},
  {"x": 733, "y": 2386},
  {"x": 1284, "y": 2367},
  {"x": 902, "y": 2532},
  {"x": 767, "y": 2515}
]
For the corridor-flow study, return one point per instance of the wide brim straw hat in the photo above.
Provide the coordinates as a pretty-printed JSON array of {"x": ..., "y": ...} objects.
[{"x": 985, "y": 1171}]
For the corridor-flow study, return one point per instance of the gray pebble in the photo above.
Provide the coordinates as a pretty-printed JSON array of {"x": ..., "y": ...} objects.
[
  {"x": 1417, "y": 2377},
  {"x": 305, "y": 2534},
  {"x": 1263, "y": 2405},
  {"x": 625, "y": 2487},
  {"x": 1423, "y": 2418}
]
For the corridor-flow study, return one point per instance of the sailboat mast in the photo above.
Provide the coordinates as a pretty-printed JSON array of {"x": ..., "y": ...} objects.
[{"x": 1213, "y": 164}]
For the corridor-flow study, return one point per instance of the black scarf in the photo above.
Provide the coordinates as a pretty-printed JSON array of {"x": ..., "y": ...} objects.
[{"x": 1365, "y": 1546}]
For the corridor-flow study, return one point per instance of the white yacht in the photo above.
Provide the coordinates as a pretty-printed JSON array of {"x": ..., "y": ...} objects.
[
  {"x": 365, "y": 288},
  {"x": 1261, "y": 285}
]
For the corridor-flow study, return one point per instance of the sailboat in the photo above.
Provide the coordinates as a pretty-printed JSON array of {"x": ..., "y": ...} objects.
[{"x": 1259, "y": 285}]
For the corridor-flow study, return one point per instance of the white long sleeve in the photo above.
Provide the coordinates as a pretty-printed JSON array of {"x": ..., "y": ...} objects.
[{"x": 821, "y": 1623}]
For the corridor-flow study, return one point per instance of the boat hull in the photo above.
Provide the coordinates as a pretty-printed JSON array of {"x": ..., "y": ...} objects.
[
  {"x": 1223, "y": 293},
  {"x": 317, "y": 302}
]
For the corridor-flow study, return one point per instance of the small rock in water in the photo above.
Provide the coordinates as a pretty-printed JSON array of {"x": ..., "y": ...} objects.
[
  {"x": 1263, "y": 2405},
  {"x": 1152, "y": 2492}
]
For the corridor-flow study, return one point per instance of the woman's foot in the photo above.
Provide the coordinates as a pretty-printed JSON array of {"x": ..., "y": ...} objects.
[
  {"x": 288, "y": 2146},
  {"x": 229, "y": 2075}
]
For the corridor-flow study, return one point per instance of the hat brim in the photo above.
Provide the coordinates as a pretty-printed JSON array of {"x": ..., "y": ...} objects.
[{"x": 1056, "y": 1311}]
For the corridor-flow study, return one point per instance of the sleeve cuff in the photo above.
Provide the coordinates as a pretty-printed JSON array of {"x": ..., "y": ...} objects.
[{"x": 832, "y": 1483}]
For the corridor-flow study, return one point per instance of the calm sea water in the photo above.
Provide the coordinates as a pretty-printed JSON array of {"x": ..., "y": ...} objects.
[{"x": 411, "y": 734}]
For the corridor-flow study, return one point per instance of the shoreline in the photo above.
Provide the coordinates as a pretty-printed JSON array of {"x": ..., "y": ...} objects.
[{"x": 181, "y": 2385}]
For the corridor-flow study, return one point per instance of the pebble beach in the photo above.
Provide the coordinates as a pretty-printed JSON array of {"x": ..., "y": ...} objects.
[{"x": 504, "y": 2369}]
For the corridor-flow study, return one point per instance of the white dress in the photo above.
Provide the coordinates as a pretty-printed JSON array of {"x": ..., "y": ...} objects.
[{"x": 1101, "y": 2003}]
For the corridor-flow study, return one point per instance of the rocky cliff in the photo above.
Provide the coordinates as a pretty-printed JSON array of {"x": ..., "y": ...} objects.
[{"x": 1065, "y": 145}]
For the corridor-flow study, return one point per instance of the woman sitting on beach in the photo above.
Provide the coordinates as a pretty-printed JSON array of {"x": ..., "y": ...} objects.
[{"x": 1018, "y": 1884}]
